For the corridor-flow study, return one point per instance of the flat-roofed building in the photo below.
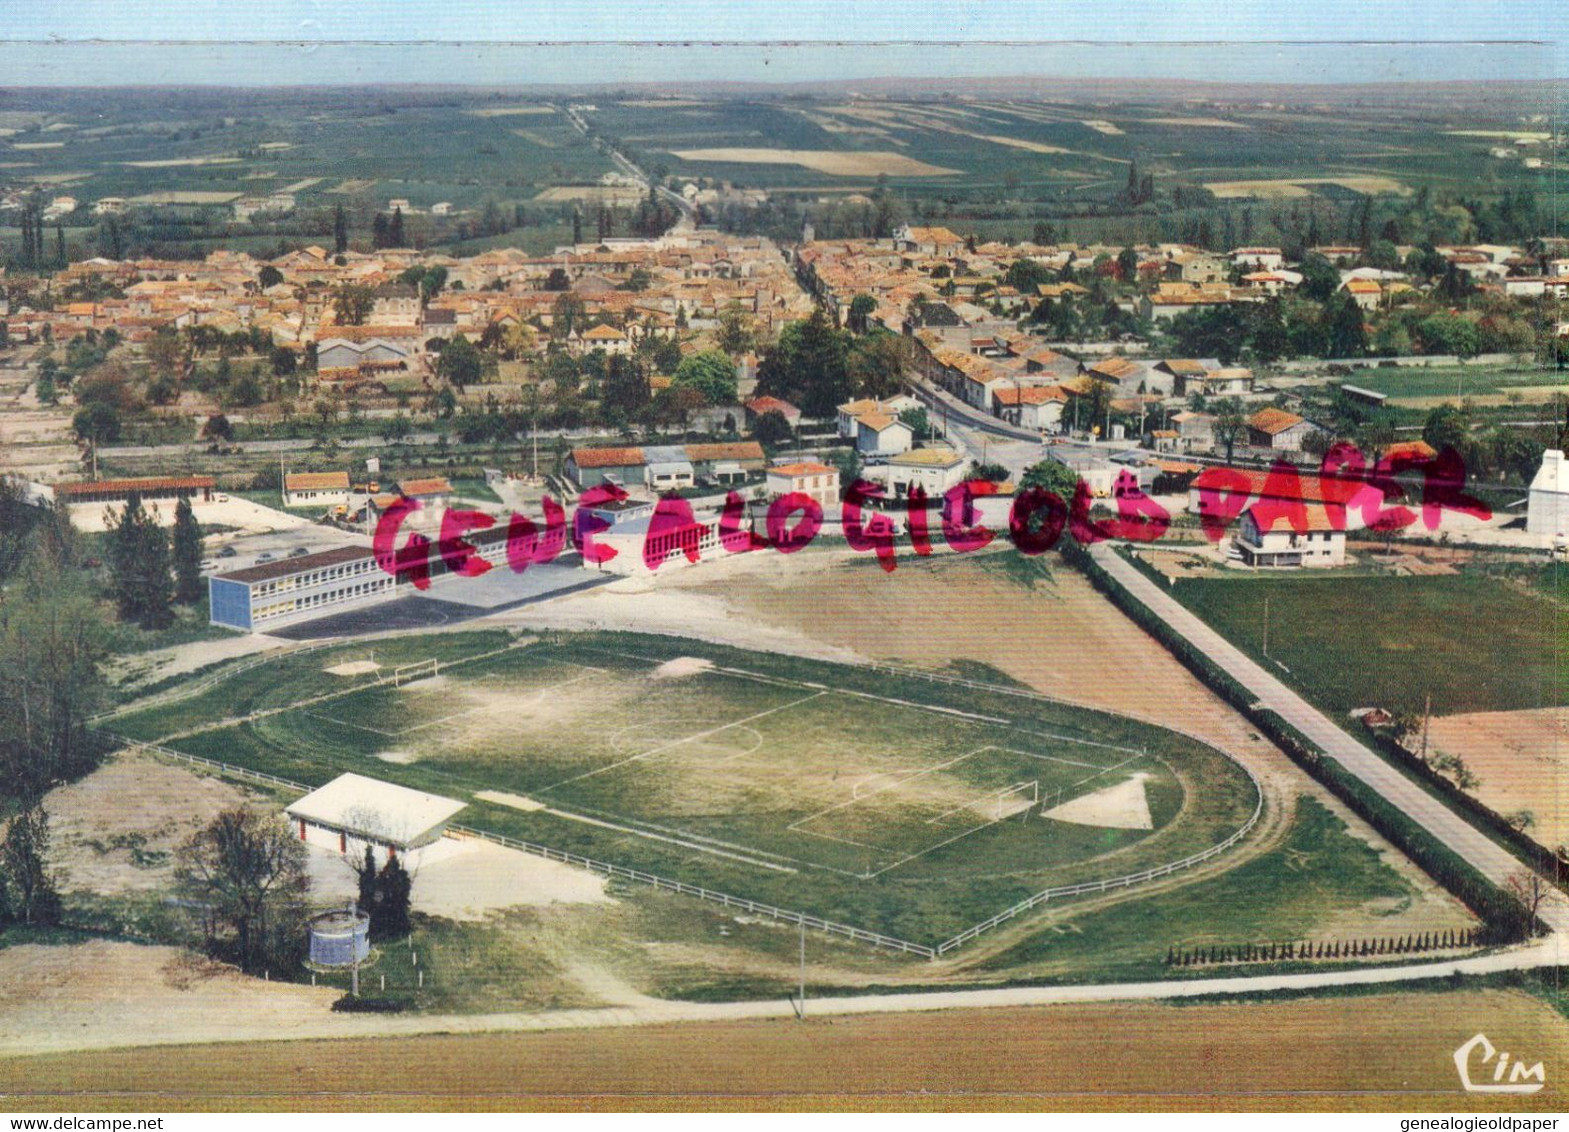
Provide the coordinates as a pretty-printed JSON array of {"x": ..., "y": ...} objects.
[{"x": 273, "y": 594}]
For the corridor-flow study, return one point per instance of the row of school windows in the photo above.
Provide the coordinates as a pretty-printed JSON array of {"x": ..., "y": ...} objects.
[
  {"x": 311, "y": 601},
  {"x": 331, "y": 573}
]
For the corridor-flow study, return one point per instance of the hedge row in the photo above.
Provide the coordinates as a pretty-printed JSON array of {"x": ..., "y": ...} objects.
[
  {"x": 1506, "y": 919},
  {"x": 1538, "y": 856}
]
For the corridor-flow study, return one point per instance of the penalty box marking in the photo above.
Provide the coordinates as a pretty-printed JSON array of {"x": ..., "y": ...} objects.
[{"x": 522, "y": 697}]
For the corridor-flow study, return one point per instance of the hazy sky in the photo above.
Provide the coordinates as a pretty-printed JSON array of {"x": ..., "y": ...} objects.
[{"x": 49, "y": 42}]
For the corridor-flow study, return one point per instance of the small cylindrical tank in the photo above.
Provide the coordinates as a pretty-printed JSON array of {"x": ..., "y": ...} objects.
[{"x": 340, "y": 938}]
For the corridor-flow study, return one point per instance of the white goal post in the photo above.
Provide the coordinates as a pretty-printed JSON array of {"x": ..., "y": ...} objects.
[{"x": 415, "y": 670}]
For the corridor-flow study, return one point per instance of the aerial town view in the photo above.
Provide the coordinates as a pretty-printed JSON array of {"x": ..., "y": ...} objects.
[{"x": 994, "y": 579}]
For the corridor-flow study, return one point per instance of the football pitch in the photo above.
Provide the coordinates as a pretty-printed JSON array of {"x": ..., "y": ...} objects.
[{"x": 792, "y": 783}]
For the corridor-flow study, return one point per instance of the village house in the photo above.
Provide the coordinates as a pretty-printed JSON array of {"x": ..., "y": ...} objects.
[
  {"x": 818, "y": 481},
  {"x": 1276, "y": 542},
  {"x": 1279, "y": 430},
  {"x": 316, "y": 489}
]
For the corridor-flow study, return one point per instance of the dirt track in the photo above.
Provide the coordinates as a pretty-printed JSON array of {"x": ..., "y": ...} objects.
[{"x": 1383, "y": 1051}]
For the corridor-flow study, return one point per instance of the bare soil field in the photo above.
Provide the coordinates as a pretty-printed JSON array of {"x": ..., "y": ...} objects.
[
  {"x": 1301, "y": 186},
  {"x": 1101, "y": 126},
  {"x": 598, "y": 194},
  {"x": 836, "y": 163},
  {"x": 510, "y": 111},
  {"x": 1385, "y": 1052},
  {"x": 1521, "y": 759},
  {"x": 116, "y": 830},
  {"x": 1213, "y": 123}
]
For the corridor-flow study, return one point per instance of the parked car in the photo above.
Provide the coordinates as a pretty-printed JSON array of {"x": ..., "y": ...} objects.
[
  {"x": 299, "y": 552},
  {"x": 228, "y": 552},
  {"x": 264, "y": 556}
]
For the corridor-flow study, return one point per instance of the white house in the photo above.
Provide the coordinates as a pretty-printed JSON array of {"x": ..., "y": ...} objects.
[
  {"x": 879, "y": 434},
  {"x": 820, "y": 481},
  {"x": 315, "y": 489},
  {"x": 1547, "y": 510},
  {"x": 1280, "y": 544}
]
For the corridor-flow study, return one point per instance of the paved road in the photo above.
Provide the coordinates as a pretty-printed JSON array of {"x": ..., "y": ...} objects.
[{"x": 1438, "y": 819}]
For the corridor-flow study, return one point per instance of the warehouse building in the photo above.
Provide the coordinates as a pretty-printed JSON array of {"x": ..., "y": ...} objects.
[{"x": 149, "y": 488}]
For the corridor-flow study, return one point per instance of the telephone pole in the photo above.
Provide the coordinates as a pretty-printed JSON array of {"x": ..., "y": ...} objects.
[{"x": 1266, "y": 624}]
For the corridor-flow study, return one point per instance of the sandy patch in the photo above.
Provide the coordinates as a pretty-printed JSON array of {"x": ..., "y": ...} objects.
[
  {"x": 1301, "y": 186},
  {"x": 1020, "y": 143},
  {"x": 37, "y": 145},
  {"x": 117, "y": 829},
  {"x": 1213, "y": 123},
  {"x": 193, "y": 196},
  {"x": 428, "y": 684},
  {"x": 173, "y": 162},
  {"x": 401, "y": 758},
  {"x": 467, "y": 880},
  {"x": 352, "y": 668},
  {"x": 1123, "y": 806},
  {"x": 510, "y": 111},
  {"x": 833, "y": 162},
  {"x": 1522, "y": 760},
  {"x": 682, "y": 666},
  {"x": 1534, "y": 135},
  {"x": 600, "y": 194},
  {"x": 516, "y": 801},
  {"x": 1101, "y": 126}
]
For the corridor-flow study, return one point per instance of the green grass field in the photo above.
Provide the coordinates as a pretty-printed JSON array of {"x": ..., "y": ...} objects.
[
  {"x": 911, "y": 810},
  {"x": 1472, "y": 642}
]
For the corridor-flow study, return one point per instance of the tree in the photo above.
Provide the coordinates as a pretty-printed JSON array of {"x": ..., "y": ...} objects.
[
  {"x": 187, "y": 554},
  {"x": 139, "y": 566},
  {"x": 1128, "y": 265},
  {"x": 97, "y": 423},
  {"x": 340, "y": 229},
  {"x": 1320, "y": 280},
  {"x": 389, "y": 917},
  {"x": 460, "y": 364},
  {"x": 248, "y": 869},
  {"x": 395, "y": 230},
  {"x": 352, "y": 304},
  {"x": 1052, "y": 475},
  {"x": 268, "y": 276},
  {"x": 27, "y": 891},
  {"x": 558, "y": 280},
  {"x": 567, "y": 314},
  {"x": 379, "y": 232},
  {"x": 735, "y": 334},
  {"x": 861, "y": 308},
  {"x": 1448, "y": 426},
  {"x": 284, "y": 363},
  {"x": 772, "y": 429},
  {"x": 877, "y": 365},
  {"x": 217, "y": 427},
  {"x": 807, "y": 366},
  {"x": 1528, "y": 889},
  {"x": 1231, "y": 423},
  {"x": 710, "y": 372},
  {"x": 916, "y": 420},
  {"x": 1347, "y": 328},
  {"x": 626, "y": 385},
  {"x": 397, "y": 429}
]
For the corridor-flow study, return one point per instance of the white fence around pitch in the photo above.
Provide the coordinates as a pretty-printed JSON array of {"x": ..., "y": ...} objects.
[
  {"x": 1093, "y": 886},
  {"x": 784, "y": 915},
  {"x": 186, "y": 691}
]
